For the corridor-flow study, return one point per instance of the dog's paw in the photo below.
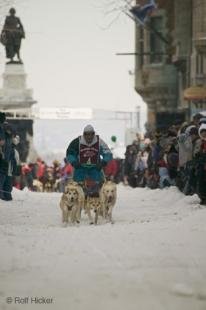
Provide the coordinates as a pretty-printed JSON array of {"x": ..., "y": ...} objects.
[{"x": 65, "y": 224}]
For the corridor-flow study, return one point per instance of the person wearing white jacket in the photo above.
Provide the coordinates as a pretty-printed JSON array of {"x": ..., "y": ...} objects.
[{"x": 186, "y": 143}]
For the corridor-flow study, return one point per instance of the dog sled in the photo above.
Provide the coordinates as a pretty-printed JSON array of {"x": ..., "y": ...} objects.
[{"x": 91, "y": 187}]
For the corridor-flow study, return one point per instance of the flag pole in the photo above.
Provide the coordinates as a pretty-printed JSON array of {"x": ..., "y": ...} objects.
[{"x": 148, "y": 26}]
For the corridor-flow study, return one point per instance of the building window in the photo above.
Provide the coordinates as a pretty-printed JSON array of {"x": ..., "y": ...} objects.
[
  {"x": 156, "y": 43},
  {"x": 200, "y": 72},
  {"x": 200, "y": 64}
]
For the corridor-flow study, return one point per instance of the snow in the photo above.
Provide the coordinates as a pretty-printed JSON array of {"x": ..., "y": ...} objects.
[{"x": 153, "y": 257}]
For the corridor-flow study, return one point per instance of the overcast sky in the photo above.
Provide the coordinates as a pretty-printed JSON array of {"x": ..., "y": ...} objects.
[{"x": 70, "y": 60}]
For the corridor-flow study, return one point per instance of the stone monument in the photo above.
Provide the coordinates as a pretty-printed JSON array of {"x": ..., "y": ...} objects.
[
  {"x": 11, "y": 36},
  {"x": 16, "y": 101}
]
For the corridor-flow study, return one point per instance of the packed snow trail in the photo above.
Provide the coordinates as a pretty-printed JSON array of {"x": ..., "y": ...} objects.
[{"x": 153, "y": 257}]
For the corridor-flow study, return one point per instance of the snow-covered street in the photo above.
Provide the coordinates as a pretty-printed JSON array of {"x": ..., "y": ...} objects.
[{"x": 153, "y": 257}]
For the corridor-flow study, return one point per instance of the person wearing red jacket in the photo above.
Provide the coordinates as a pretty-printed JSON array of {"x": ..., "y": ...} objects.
[
  {"x": 111, "y": 169},
  {"x": 66, "y": 174},
  {"x": 40, "y": 169}
]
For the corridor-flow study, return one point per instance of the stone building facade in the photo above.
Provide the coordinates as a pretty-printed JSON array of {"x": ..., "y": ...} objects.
[
  {"x": 170, "y": 74},
  {"x": 195, "y": 94}
]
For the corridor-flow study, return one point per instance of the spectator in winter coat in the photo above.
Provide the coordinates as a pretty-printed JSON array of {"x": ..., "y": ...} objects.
[
  {"x": 187, "y": 149},
  {"x": 186, "y": 145},
  {"x": 129, "y": 163},
  {"x": 88, "y": 154},
  {"x": 26, "y": 177},
  {"x": 156, "y": 150},
  {"x": 3, "y": 164},
  {"x": 111, "y": 169},
  {"x": 60, "y": 177},
  {"x": 172, "y": 159},
  {"x": 40, "y": 169},
  {"x": 67, "y": 170},
  {"x": 202, "y": 121},
  {"x": 164, "y": 179},
  {"x": 56, "y": 170},
  {"x": 2, "y": 121},
  {"x": 17, "y": 167},
  {"x": 66, "y": 175},
  {"x": 201, "y": 166},
  {"x": 196, "y": 118},
  {"x": 9, "y": 163}
]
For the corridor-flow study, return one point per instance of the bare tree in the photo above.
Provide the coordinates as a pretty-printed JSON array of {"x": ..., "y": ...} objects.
[{"x": 112, "y": 9}]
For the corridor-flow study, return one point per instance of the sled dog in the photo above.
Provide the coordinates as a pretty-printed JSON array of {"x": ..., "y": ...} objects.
[
  {"x": 48, "y": 187},
  {"x": 71, "y": 203},
  {"x": 93, "y": 204},
  {"x": 108, "y": 197},
  {"x": 37, "y": 185}
]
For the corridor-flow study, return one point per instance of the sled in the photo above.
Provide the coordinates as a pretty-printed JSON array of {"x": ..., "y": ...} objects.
[{"x": 91, "y": 188}]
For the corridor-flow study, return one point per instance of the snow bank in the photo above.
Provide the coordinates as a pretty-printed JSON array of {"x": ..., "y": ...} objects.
[{"x": 153, "y": 257}]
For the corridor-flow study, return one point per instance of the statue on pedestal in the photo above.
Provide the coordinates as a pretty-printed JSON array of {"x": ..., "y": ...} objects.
[{"x": 11, "y": 36}]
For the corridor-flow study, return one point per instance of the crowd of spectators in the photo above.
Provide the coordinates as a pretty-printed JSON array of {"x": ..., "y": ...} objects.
[
  {"x": 41, "y": 177},
  {"x": 172, "y": 157}
]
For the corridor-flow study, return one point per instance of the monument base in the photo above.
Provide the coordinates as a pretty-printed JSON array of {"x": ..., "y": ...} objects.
[{"x": 16, "y": 101}]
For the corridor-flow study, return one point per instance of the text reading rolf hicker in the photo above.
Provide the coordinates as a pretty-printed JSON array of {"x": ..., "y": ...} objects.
[{"x": 29, "y": 300}]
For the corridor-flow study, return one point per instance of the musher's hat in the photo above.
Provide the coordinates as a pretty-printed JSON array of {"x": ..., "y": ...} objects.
[{"x": 89, "y": 128}]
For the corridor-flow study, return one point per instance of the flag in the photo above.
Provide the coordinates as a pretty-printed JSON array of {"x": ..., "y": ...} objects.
[{"x": 143, "y": 11}]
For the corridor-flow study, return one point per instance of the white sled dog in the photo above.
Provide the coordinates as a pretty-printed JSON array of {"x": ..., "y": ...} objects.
[
  {"x": 71, "y": 203},
  {"x": 108, "y": 197}
]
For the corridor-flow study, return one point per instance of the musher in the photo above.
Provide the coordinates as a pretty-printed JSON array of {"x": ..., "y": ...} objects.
[{"x": 88, "y": 154}]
